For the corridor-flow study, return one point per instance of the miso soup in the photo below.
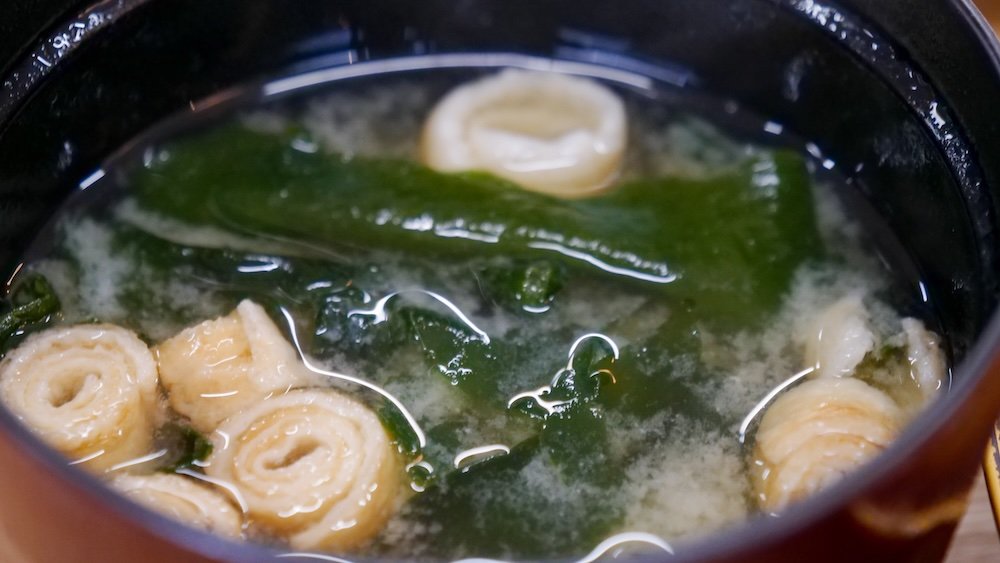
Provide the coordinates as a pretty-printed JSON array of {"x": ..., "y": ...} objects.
[{"x": 473, "y": 312}]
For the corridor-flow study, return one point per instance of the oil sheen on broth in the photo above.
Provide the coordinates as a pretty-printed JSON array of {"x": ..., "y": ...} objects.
[{"x": 541, "y": 313}]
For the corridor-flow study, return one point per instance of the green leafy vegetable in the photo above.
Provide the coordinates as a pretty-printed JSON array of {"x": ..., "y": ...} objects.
[
  {"x": 526, "y": 285},
  {"x": 727, "y": 245},
  {"x": 32, "y": 301},
  {"x": 188, "y": 446},
  {"x": 399, "y": 428},
  {"x": 457, "y": 352},
  {"x": 529, "y": 517}
]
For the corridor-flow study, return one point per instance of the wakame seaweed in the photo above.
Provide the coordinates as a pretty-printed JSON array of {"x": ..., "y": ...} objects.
[
  {"x": 187, "y": 446},
  {"x": 726, "y": 245},
  {"x": 31, "y": 302},
  {"x": 529, "y": 286},
  {"x": 510, "y": 523}
]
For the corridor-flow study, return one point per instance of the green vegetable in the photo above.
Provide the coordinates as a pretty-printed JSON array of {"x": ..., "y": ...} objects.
[
  {"x": 726, "y": 246},
  {"x": 505, "y": 506},
  {"x": 475, "y": 368},
  {"x": 31, "y": 302},
  {"x": 887, "y": 356},
  {"x": 528, "y": 286},
  {"x": 336, "y": 329},
  {"x": 399, "y": 428},
  {"x": 577, "y": 443},
  {"x": 455, "y": 351},
  {"x": 187, "y": 446},
  {"x": 591, "y": 366}
]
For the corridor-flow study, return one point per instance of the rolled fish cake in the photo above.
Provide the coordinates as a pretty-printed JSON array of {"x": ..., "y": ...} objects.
[
  {"x": 815, "y": 434},
  {"x": 184, "y": 500},
  {"x": 313, "y": 465},
  {"x": 548, "y": 132},
  {"x": 89, "y": 391},
  {"x": 222, "y": 366},
  {"x": 840, "y": 337},
  {"x": 864, "y": 388}
]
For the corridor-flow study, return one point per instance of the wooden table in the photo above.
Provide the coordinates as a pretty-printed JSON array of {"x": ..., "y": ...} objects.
[{"x": 976, "y": 539}]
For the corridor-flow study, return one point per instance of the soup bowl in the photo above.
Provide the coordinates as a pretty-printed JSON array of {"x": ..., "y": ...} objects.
[{"x": 903, "y": 101}]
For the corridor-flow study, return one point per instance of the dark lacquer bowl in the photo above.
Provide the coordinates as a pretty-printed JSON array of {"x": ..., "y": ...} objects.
[{"x": 903, "y": 96}]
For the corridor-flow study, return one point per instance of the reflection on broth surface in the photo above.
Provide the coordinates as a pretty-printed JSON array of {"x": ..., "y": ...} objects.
[{"x": 361, "y": 354}]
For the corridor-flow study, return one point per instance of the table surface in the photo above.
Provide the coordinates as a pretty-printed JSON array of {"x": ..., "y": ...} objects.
[{"x": 976, "y": 538}]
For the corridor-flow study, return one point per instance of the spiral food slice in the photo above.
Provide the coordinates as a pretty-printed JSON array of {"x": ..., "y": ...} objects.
[
  {"x": 548, "y": 132},
  {"x": 311, "y": 464},
  {"x": 89, "y": 391},
  {"x": 815, "y": 433},
  {"x": 927, "y": 363},
  {"x": 184, "y": 500},
  {"x": 220, "y": 367},
  {"x": 840, "y": 338}
]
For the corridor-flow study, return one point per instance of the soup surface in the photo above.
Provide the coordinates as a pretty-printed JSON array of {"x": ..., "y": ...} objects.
[{"x": 549, "y": 372}]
